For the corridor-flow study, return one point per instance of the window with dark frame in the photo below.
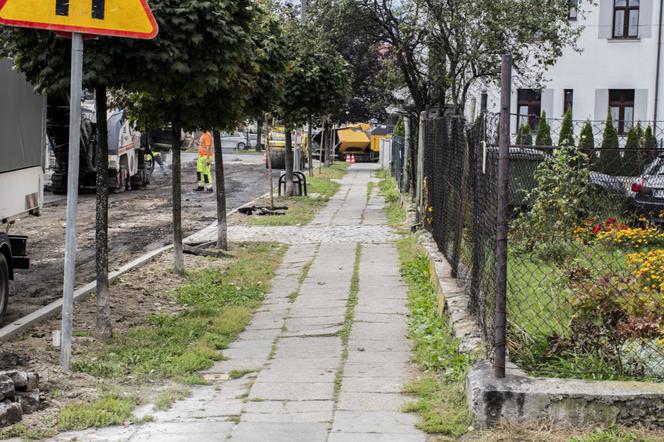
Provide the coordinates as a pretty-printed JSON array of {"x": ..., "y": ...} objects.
[
  {"x": 626, "y": 18},
  {"x": 621, "y": 106},
  {"x": 568, "y": 100},
  {"x": 529, "y": 107},
  {"x": 573, "y": 11}
]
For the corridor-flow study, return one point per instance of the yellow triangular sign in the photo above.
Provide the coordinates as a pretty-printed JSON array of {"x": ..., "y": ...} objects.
[{"x": 122, "y": 18}]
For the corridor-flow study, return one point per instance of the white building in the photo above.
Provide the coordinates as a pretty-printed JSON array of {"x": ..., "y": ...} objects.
[{"x": 617, "y": 68}]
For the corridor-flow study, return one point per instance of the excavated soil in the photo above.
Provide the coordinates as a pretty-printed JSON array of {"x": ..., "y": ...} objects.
[{"x": 139, "y": 221}]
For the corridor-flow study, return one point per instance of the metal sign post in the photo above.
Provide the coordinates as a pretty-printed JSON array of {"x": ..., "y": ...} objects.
[{"x": 72, "y": 196}]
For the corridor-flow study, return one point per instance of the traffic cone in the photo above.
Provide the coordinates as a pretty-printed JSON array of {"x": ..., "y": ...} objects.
[
  {"x": 352, "y": 159},
  {"x": 348, "y": 158}
]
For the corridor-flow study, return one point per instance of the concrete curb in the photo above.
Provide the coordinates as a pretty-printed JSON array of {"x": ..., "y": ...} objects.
[
  {"x": 520, "y": 398},
  {"x": 22, "y": 324}
]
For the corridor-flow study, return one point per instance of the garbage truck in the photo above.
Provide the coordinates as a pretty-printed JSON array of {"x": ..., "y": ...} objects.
[
  {"x": 126, "y": 165},
  {"x": 22, "y": 159}
]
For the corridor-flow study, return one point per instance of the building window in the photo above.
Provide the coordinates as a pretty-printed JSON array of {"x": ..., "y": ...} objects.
[
  {"x": 529, "y": 105},
  {"x": 573, "y": 11},
  {"x": 626, "y": 18},
  {"x": 621, "y": 105},
  {"x": 568, "y": 100}
]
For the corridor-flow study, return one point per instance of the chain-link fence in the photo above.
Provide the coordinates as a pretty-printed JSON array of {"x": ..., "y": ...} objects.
[
  {"x": 585, "y": 274},
  {"x": 397, "y": 157}
]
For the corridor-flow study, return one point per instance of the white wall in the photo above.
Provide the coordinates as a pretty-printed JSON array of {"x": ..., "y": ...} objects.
[{"x": 602, "y": 64}]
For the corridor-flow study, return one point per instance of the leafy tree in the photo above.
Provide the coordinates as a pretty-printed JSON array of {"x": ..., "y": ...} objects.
[
  {"x": 197, "y": 74},
  {"x": 443, "y": 47},
  {"x": 317, "y": 82},
  {"x": 567, "y": 130},
  {"x": 543, "y": 137},
  {"x": 610, "y": 141},
  {"x": 346, "y": 27}
]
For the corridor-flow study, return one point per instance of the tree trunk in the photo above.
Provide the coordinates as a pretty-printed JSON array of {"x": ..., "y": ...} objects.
[
  {"x": 103, "y": 326},
  {"x": 259, "y": 134},
  {"x": 177, "y": 200},
  {"x": 310, "y": 154},
  {"x": 268, "y": 151},
  {"x": 222, "y": 225},
  {"x": 289, "y": 161}
]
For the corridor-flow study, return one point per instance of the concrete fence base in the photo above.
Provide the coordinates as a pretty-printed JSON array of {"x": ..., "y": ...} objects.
[{"x": 519, "y": 398}]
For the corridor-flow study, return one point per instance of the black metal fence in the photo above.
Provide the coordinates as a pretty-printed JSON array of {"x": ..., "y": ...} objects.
[
  {"x": 397, "y": 159},
  {"x": 585, "y": 275}
]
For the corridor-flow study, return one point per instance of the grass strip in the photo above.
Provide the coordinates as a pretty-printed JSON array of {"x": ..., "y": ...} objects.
[
  {"x": 396, "y": 213},
  {"x": 441, "y": 403},
  {"x": 217, "y": 305},
  {"x": 302, "y": 209},
  {"x": 348, "y": 320}
]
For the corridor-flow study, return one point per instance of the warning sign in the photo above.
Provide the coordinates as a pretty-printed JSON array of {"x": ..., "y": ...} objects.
[{"x": 121, "y": 18}]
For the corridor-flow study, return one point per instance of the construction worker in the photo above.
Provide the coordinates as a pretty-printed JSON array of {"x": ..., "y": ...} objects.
[{"x": 204, "y": 163}]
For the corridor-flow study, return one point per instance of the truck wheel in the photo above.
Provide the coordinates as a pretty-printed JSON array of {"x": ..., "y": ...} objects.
[
  {"x": 241, "y": 146},
  {"x": 4, "y": 285}
]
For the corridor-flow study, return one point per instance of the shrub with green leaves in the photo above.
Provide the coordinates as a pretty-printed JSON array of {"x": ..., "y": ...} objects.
[
  {"x": 587, "y": 137},
  {"x": 567, "y": 131},
  {"x": 543, "y": 137},
  {"x": 608, "y": 158},
  {"x": 524, "y": 136},
  {"x": 558, "y": 201}
]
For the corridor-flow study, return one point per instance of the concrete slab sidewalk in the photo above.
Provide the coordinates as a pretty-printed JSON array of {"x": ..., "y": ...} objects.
[{"x": 310, "y": 379}]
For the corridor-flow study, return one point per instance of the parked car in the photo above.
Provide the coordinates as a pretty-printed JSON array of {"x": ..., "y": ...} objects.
[
  {"x": 237, "y": 140},
  {"x": 648, "y": 190}
]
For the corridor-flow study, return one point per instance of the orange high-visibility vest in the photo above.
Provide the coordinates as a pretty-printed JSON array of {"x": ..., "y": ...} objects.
[{"x": 205, "y": 145}]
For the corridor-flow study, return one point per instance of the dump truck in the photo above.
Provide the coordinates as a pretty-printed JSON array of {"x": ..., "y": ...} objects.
[
  {"x": 361, "y": 140},
  {"x": 126, "y": 168},
  {"x": 22, "y": 160}
]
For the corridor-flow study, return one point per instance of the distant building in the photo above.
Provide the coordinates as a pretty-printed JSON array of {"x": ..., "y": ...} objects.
[{"x": 618, "y": 68}]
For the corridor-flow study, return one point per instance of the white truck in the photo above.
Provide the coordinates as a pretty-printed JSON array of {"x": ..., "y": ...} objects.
[{"x": 22, "y": 158}]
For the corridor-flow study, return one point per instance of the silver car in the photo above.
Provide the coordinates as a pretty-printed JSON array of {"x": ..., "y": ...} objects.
[{"x": 237, "y": 140}]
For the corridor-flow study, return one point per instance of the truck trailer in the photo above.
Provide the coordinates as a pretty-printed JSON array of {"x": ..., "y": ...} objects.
[{"x": 22, "y": 159}]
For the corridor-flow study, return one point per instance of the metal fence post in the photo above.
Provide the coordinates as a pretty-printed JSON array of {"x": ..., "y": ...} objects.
[
  {"x": 405, "y": 177},
  {"x": 478, "y": 245},
  {"x": 500, "y": 315},
  {"x": 420, "y": 170}
]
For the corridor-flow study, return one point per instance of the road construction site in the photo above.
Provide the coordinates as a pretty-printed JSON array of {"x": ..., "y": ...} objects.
[{"x": 139, "y": 221}]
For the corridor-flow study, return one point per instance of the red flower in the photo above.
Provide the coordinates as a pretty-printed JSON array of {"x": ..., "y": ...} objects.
[
  {"x": 611, "y": 220},
  {"x": 596, "y": 229}
]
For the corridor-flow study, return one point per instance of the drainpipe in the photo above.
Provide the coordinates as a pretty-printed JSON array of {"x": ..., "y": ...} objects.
[{"x": 659, "y": 59}]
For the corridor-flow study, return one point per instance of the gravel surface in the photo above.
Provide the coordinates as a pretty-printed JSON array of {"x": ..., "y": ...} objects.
[{"x": 139, "y": 221}]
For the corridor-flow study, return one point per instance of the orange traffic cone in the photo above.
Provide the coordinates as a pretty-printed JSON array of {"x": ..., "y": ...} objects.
[
  {"x": 352, "y": 159},
  {"x": 348, "y": 158}
]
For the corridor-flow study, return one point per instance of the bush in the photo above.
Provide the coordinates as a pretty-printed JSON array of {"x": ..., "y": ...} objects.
[
  {"x": 567, "y": 131},
  {"x": 523, "y": 136},
  {"x": 609, "y": 158},
  {"x": 543, "y": 137},
  {"x": 587, "y": 138},
  {"x": 558, "y": 202}
]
